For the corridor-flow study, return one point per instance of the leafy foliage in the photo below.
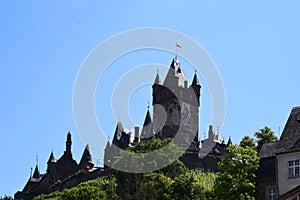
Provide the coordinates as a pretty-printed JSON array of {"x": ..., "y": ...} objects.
[
  {"x": 193, "y": 185},
  {"x": 6, "y": 198},
  {"x": 238, "y": 178},
  {"x": 172, "y": 182},
  {"x": 146, "y": 156},
  {"x": 95, "y": 189},
  {"x": 264, "y": 135},
  {"x": 248, "y": 141}
]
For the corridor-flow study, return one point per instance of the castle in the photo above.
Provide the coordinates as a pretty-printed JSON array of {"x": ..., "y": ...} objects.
[{"x": 180, "y": 103}]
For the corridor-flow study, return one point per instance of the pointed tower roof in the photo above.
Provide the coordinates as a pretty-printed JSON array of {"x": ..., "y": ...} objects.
[
  {"x": 229, "y": 141},
  {"x": 51, "y": 158},
  {"x": 195, "y": 80},
  {"x": 147, "y": 131},
  {"x": 157, "y": 78},
  {"x": 107, "y": 144},
  {"x": 211, "y": 134},
  {"x": 118, "y": 132},
  {"x": 36, "y": 173},
  {"x": 175, "y": 75},
  {"x": 86, "y": 159}
]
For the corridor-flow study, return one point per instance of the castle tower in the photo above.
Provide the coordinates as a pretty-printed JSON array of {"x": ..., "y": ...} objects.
[
  {"x": 68, "y": 144},
  {"x": 175, "y": 109},
  {"x": 107, "y": 155},
  {"x": 147, "y": 131},
  {"x": 36, "y": 173},
  {"x": 51, "y": 162},
  {"x": 86, "y": 159}
]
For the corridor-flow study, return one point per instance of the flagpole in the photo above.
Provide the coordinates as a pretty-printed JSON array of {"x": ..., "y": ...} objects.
[{"x": 177, "y": 46}]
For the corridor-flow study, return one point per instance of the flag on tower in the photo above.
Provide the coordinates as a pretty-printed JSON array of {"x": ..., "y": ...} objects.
[{"x": 178, "y": 45}]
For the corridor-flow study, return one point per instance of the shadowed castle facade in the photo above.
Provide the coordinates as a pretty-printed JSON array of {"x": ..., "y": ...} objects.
[{"x": 175, "y": 114}]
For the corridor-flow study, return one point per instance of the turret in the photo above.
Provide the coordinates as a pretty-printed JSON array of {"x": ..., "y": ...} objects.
[
  {"x": 86, "y": 159},
  {"x": 147, "y": 131},
  {"x": 157, "y": 78},
  {"x": 108, "y": 154},
  {"x": 51, "y": 162},
  {"x": 229, "y": 142},
  {"x": 196, "y": 87},
  {"x": 36, "y": 173},
  {"x": 68, "y": 144}
]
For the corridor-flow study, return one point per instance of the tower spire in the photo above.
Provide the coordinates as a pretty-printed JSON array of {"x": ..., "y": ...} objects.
[
  {"x": 36, "y": 173},
  {"x": 157, "y": 78},
  {"x": 68, "y": 143},
  {"x": 195, "y": 79},
  {"x": 147, "y": 131}
]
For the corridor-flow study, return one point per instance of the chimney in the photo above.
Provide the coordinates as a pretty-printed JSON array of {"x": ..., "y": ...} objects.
[
  {"x": 136, "y": 134},
  {"x": 185, "y": 84}
]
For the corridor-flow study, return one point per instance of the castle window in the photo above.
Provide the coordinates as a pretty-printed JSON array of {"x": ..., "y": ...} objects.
[
  {"x": 271, "y": 193},
  {"x": 294, "y": 169}
]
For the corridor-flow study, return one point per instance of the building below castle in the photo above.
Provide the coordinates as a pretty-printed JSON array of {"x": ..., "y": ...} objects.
[
  {"x": 278, "y": 176},
  {"x": 175, "y": 115}
]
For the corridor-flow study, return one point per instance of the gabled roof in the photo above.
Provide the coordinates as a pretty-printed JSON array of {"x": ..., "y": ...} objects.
[
  {"x": 268, "y": 150},
  {"x": 290, "y": 137},
  {"x": 175, "y": 75},
  {"x": 289, "y": 140}
]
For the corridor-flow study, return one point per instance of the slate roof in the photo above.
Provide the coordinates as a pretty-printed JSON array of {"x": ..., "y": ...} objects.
[
  {"x": 268, "y": 150},
  {"x": 289, "y": 140},
  {"x": 290, "y": 137},
  {"x": 157, "y": 79},
  {"x": 195, "y": 80},
  {"x": 51, "y": 158}
]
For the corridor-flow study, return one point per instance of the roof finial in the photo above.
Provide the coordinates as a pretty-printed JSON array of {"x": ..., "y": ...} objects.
[
  {"x": 37, "y": 159},
  {"x": 148, "y": 105}
]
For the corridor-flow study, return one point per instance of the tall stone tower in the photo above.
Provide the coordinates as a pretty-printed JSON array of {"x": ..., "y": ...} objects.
[{"x": 176, "y": 105}]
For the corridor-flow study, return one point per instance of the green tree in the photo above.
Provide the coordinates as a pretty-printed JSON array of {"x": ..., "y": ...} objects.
[
  {"x": 248, "y": 141},
  {"x": 193, "y": 185},
  {"x": 94, "y": 189},
  {"x": 130, "y": 184},
  {"x": 238, "y": 178},
  {"x": 155, "y": 186},
  {"x": 264, "y": 135},
  {"x": 6, "y": 198}
]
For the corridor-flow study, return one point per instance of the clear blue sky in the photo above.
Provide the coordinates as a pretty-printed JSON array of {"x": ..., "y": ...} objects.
[{"x": 255, "y": 46}]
